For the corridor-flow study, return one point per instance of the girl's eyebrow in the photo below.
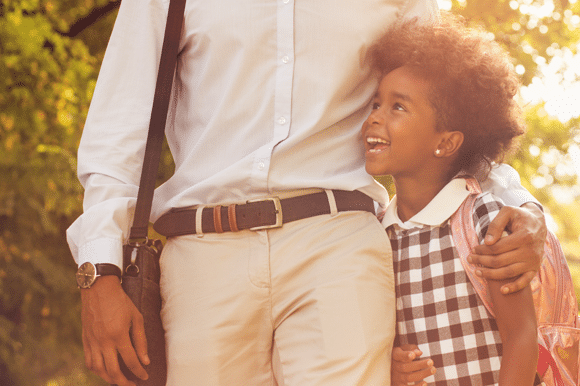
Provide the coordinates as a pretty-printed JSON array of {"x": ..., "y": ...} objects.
[{"x": 402, "y": 96}]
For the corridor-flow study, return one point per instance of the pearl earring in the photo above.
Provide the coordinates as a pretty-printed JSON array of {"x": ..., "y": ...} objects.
[{"x": 438, "y": 152}]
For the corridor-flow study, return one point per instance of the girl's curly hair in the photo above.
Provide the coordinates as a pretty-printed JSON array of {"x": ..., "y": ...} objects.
[{"x": 473, "y": 84}]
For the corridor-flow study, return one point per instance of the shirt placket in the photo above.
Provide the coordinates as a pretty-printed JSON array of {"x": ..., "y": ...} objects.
[{"x": 283, "y": 88}]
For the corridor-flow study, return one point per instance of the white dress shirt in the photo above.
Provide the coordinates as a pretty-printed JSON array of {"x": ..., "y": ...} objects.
[{"x": 269, "y": 95}]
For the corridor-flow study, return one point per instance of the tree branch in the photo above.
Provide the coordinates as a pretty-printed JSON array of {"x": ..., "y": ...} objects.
[{"x": 86, "y": 21}]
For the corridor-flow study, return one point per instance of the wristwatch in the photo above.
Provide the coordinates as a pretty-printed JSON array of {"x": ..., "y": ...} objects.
[{"x": 89, "y": 272}]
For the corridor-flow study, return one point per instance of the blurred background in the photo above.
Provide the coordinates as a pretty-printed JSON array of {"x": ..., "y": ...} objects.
[{"x": 50, "y": 53}]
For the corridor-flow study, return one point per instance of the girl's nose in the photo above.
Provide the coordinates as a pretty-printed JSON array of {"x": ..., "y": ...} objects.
[{"x": 375, "y": 118}]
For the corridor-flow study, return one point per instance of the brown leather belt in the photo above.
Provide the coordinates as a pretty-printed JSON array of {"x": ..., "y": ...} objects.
[{"x": 266, "y": 213}]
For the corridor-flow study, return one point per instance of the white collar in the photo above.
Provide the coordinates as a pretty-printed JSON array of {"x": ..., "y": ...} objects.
[{"x": 437, "y": 211}]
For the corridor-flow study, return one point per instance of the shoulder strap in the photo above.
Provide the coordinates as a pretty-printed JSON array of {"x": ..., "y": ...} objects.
[
  {"x": 158, "y": 119},
  {"x": 465, "y": 239},
  {"x": 553, "y": 288}
]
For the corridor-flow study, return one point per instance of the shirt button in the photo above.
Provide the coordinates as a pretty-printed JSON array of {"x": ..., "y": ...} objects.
[
  {"x": 285, "y": 1},
  {"x": 285, "y": 59},
  {"x": 261, "y": 165},
  {"x": 281, "y": 120}
]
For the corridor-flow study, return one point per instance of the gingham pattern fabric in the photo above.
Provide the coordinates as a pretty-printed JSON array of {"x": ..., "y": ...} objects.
[{"x": 437, "y": 307}]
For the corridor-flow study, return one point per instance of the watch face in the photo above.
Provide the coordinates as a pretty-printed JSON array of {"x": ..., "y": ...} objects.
[{"x": 86, "y": 275}]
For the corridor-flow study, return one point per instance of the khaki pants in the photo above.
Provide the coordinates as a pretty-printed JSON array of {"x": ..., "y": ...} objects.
[{"x": 317, "y": 295}]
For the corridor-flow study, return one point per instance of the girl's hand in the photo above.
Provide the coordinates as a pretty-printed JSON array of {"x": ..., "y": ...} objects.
[{"x": 407, "y": 369}]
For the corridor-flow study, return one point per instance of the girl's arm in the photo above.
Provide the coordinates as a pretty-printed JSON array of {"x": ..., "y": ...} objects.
[
  {"x": 514, "y": 313},
  {"x": 516, "y": 319}
]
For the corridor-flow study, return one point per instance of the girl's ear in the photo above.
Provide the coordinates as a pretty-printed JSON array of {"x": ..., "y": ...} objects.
[{"x": 450, "y": 143}]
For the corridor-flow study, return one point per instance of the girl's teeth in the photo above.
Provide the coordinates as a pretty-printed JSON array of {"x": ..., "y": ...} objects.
[{"x": 373, "y": 140}]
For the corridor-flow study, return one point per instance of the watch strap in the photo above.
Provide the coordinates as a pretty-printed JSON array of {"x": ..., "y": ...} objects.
[{"x": 106, "y": 269}]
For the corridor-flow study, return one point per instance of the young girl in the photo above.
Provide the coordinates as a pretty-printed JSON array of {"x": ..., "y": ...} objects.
[{"x": 445, "y": 105}]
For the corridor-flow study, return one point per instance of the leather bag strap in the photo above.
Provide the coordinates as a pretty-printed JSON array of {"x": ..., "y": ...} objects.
[{"x": 158, "y": 119}]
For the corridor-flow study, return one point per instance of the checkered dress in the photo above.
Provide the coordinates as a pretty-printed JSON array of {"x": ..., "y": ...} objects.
[{"x": 437, "y": 307}]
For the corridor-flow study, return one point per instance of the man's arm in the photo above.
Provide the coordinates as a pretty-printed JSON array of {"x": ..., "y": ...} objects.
[
  {"x": 108, "y": 317},
  {"x": 518, "y": 255},
  {"x": 110, "y": 157}
]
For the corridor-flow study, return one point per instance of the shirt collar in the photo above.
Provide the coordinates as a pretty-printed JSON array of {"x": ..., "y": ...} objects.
[{"x": 437, "y": 211}]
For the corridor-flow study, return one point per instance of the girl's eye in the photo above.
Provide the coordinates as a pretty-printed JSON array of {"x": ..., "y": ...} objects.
[
  {"x": 398, "y": 106},
  {"x": 376, "y": 106}
]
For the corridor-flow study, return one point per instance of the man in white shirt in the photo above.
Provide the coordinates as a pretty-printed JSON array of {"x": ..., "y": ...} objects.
[{"x": 268, "y": 100}]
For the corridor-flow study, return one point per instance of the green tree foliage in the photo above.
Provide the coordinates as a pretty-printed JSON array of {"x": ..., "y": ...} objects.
[
  {"x": 535, "y": 33},
  {"x": 46, "y": 82},
  {"x": 50, "y": 52},
  {"x": 539, "y": 33}
]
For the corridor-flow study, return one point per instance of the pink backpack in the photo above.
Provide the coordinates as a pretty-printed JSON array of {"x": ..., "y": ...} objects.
[{"x": 554, "y": 299}]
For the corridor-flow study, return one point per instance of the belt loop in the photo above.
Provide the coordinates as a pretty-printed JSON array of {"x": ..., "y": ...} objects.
[
  {"x": 198, "y": 214},
  {"x": 331, "y": 202},
  {"x": 232, "y": 218},
  {"x": 217, "y": 219}
]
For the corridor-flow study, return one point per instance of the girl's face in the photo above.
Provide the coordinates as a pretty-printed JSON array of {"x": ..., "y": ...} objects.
[{"x": 399, "y": 135}]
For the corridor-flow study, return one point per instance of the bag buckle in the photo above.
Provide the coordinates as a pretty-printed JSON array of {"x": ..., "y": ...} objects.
[
  {"x": 277, "y": 209},
  {"x": 132, "y": 269},
  {"x": 137, "y": 241}
]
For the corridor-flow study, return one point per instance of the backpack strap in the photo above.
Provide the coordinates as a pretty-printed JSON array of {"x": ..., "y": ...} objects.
[
  {"x": 553, "y": 287},
  {"x": 465, "y": 239},
  {"x": 545, "y": 360}
]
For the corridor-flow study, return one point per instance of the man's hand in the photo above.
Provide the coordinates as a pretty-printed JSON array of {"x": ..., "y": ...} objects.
[
  {"x": 516, "y": 256},
  {"x": 107, "y": 317},
  {"x": 407, "y": 369}
]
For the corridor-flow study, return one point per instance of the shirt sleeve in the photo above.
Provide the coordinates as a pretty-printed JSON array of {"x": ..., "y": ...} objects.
[
  {"x": 110, "y": 155},
  {"x": 504, "y": 182},
  {"x": 423, "y": 9},
  {"x": 485, "y": 209}
]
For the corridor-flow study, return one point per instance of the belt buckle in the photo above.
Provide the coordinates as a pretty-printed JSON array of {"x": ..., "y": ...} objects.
[{"x": 278, "y": 209}]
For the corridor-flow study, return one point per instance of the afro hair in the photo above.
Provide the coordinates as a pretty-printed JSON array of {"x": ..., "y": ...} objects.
[{"x": 473, "y": 84}]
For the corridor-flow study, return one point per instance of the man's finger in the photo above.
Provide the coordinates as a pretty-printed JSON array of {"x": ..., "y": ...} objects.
[
  {"x": 503, "y": 260},
  {"x": 98, "y": 366},
  {"x": 499, "y": 225},
  {"x": 519, "y": 284},
  {"x": 131, "y": 360},
  {"x": 512, "y": 271},
  {"x": 139, "y": 338},
  {"x": 114, "y": 371},
  {"x": 507, "y": 243}
]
